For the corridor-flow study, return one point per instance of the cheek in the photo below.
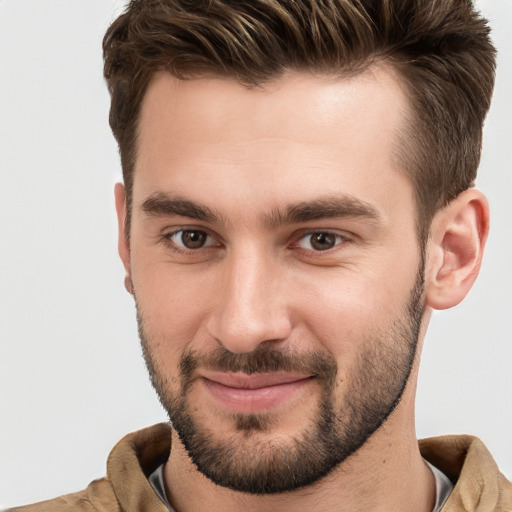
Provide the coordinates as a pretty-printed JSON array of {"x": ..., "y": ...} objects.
[
  {"x": 173, "y": 305},
  {"x": 346, "y": 308}
]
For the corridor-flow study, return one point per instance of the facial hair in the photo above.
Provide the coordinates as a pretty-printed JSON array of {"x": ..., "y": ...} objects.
[{"x": 249, "y": 460}]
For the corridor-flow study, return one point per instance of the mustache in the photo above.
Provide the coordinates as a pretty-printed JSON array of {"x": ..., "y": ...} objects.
[{"x": 261, "y": 360}]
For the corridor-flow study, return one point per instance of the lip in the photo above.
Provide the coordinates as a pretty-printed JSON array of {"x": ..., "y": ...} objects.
[{"x": 253, "y": 393}]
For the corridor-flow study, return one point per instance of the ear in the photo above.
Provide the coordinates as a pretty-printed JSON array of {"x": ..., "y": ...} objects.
[
  {"x": 455, "y": 249},
  {"x": 123, "y": 244}
]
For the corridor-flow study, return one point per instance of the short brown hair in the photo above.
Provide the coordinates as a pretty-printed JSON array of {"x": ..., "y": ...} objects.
[{"x": 440, "y": 48}]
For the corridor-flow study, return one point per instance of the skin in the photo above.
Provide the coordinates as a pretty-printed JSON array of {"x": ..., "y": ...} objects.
[{"x": 246, "y": 154}]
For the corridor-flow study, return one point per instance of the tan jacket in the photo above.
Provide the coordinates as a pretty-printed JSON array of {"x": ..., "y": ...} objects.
[{"x": 480, "y": 487}]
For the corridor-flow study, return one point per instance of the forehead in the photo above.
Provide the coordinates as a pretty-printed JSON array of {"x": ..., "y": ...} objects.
[
  {"x": 307, "y": 105},
  {"x": 299, "y": 136}
]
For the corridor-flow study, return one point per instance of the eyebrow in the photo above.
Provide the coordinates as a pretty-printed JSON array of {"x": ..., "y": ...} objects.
[
  {"x": 163, "y": 205},
  {"x": 160, "y": 204},
  {"x": 329, "y": 207}
]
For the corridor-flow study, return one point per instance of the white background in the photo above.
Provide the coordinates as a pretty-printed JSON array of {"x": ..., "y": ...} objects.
[{"x": 72, "y": 381}]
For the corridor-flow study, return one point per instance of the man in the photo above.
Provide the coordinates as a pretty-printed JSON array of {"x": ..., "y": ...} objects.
[{"x": 298, "y": 197}]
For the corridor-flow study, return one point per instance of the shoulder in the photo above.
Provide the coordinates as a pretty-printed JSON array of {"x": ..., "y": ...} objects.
[
  {"x": 97, "y": 497},
  {"x": 126, "y": 486},
  {"x": 479, "y": 484}
]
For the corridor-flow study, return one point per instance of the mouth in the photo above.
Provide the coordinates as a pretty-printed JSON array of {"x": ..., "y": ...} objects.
[{"x": 250, "y": 394}]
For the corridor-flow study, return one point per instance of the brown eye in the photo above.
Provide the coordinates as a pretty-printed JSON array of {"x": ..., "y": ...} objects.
[
  {"x": 320, "y": 241},
  {"x": 191, "y": 238}
]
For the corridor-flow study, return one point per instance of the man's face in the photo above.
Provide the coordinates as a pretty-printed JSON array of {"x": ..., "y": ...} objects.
[{"x": 276, "y": 269}]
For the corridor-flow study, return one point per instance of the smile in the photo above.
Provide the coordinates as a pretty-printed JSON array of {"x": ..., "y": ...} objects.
[{"x": 254, "y": 393}]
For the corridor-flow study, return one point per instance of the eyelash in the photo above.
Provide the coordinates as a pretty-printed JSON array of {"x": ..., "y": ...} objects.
[
  {"x": 166, "y": 239},
  {"x": 340, "y": 239}
]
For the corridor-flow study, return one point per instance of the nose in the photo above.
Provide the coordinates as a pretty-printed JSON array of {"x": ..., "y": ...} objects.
[{"x": 252, "y": 306}]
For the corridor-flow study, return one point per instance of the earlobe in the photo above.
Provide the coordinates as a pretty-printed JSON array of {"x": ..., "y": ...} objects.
[
  {"x": 123, "y": 244},
  {"x": 455, "y": 249}
]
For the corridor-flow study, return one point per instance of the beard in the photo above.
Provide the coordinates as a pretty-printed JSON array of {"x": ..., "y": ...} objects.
[{"x": 250, "y": 459}]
